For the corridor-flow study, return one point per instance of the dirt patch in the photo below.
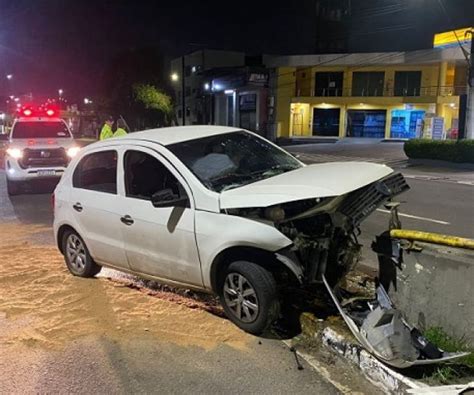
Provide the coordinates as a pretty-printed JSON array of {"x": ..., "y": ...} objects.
[{"x": 42, "y": 304}]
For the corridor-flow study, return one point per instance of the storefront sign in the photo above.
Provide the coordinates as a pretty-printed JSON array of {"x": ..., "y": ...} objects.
[
  {"x": 437, "y": 132},
  {"x": 453, "y": 38}
]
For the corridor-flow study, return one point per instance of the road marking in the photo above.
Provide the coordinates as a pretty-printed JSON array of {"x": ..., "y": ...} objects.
[{"x": 436, "y": 221}]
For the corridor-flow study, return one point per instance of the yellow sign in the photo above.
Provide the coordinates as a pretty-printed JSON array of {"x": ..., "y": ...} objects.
[{"x": 452, "y": 38}]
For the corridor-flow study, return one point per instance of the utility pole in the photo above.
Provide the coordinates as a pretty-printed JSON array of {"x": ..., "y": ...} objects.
[
  {"x": 466, "y": 105},
  {"x": 469, "y": 131},
  {"x": 183, "y": 88}
]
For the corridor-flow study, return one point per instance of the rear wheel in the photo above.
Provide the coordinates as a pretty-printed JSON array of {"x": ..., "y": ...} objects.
[
  {"x": 77, "y": 257},
  {"x": 13, "y": 187},
  {"x": 248, "y": 293}
]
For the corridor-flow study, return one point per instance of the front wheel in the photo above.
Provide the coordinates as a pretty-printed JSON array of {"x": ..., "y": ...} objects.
[
  {"x": 77, "y": 257},
  {"x": 249, "y": 296}
]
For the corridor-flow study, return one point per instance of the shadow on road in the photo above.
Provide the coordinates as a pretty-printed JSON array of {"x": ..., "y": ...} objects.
[{"x": 33, "y": 206}]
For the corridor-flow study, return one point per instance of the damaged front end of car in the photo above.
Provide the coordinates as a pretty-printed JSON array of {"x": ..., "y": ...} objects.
[{"x": 324, "y": 231}]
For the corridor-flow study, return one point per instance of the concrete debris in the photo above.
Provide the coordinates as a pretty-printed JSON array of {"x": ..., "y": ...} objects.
[{"x": 381, "y": 329}]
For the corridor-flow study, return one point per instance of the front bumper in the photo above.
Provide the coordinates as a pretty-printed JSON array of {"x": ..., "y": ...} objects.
[{"x": 15, "y": 172}]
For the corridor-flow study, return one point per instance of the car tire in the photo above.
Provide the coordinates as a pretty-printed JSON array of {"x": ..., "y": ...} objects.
[
  {"x": 77, "y": 257},
  {"x": 248, "y": 293},
  {"x": 13, "y": 188}
]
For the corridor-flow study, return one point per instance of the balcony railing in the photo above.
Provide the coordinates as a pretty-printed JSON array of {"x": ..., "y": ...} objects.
[{"x": 431, "y": 91}]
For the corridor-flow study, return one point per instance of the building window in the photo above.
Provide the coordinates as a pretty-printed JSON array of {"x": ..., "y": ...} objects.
[
  {"x": 329, "y": 83},
  {"x": 367, "y": 83},
  {"x": 187, "y": 71},
  {"x": 407, "y": 83},
  {"x": 180, "y": 114},
  {"x": 188, "y": 91},
  {"x": 188, "y": 112}
]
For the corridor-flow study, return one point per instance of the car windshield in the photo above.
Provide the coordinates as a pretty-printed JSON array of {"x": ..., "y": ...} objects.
[
  {"x": 231, "y": 160},
  {"x": 38, "y": 130}
]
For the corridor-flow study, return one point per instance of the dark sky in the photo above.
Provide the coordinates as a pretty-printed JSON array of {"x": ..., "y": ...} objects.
[{"x": 51, "y": 44}]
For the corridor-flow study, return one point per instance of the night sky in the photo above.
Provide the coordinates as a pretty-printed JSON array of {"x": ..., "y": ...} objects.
[{"x": 51, "y": 44}]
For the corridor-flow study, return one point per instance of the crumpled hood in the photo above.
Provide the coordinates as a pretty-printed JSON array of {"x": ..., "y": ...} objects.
[{"x": 314, "y": 181}]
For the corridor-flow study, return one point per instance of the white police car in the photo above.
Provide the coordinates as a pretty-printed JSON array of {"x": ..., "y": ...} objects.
[{"x": 40, "y": 147}]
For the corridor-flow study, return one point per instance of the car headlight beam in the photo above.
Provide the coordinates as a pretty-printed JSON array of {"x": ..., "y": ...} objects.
[
  {"x": 15, "y": 153},
  {"x": 72, "y": 152}
]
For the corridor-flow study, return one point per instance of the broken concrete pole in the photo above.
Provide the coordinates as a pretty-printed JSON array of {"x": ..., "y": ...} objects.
[{"x": 434, "y": 287}]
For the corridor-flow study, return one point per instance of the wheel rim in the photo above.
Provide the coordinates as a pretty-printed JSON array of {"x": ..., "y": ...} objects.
[
  {"x": 240, "y": 297},
  {"x": 76, "y": 253}
]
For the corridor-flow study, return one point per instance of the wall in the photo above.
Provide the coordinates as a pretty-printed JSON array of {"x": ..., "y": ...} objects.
[
  {"x": 285, "y": 91},
  {"x": 434, "y": 288}
]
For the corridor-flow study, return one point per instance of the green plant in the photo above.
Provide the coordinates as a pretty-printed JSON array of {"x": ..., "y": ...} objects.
[
  {"x": 450, "y": 372},
  {"x": 448, "y": 150}
]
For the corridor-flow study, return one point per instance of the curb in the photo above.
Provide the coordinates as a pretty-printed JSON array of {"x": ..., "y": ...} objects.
[
  {"x": 441, "y": 164},
  {"x": 345, "y": 346}
]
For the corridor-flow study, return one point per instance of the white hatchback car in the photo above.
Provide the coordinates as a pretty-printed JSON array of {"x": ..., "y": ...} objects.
[{"x": 216, "y": 209}]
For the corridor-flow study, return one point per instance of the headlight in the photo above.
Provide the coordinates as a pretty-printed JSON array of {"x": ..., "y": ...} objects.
[
  {"x": 72, "y": 152},
  {"x": 275, "y": 214},
  {"x": 15, "y": 153}
]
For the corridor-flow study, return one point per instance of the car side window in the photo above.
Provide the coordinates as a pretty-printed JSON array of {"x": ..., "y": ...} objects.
[
  {"x": 145, "y": 175},
  {"x": 97, "y": 172}
]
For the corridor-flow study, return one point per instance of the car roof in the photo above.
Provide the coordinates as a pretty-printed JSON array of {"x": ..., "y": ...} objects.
[{"x": 178, "y": 134}]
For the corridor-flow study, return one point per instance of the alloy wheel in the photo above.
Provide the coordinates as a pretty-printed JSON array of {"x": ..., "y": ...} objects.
[
  {"x": 241, "y": 297},
  {"x": 76, "y": 252}
]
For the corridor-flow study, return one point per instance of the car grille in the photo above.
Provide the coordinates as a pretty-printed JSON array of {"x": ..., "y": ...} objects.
[
  {"x": 44, "y": 158},
  {"x": 364, "y": 201}
]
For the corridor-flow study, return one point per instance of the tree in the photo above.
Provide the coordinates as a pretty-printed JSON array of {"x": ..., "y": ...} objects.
[
  {"x": 154, "y": 99},
  {"x": 135, "y": 67}
]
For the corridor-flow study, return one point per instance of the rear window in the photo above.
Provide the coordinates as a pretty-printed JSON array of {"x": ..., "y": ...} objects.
[
  {"x": 97, "y": 172},
  {"x": 31, "y": 130}
]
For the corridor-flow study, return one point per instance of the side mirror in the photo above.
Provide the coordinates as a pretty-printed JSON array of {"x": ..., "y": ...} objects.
[{"x": 167, "y": 198}]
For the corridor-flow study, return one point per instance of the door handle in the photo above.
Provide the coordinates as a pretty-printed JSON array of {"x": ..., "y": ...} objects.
[
  {"x": 77, "y": 207},
  {"x": 127, "y": 220}
]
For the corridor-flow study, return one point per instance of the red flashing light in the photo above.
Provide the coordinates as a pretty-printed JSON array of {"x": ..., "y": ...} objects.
[
  {"x": 50, "y": 112},
  {"x": 27, "y": 112}
]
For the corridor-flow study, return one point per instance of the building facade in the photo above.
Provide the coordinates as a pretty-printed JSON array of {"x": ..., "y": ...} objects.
[
  {"x": 196, "y": 65},
  {"x": 239, "y": 98},
  {"x": 373, "y": 95},
  {"x": 332, "y": 24}
]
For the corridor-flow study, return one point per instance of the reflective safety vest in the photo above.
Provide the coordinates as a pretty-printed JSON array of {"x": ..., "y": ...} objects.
[
  {"x": 106, "y": 132},
  {"x": 120, "y": 132}
]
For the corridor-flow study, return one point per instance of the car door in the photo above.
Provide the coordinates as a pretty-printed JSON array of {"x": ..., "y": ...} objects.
[
  {"x": 159, "y": 241},
  {"x": 95, "y": 205}
]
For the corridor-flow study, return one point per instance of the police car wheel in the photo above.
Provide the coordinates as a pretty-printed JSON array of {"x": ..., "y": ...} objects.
[{"x": 13, "y": 187}]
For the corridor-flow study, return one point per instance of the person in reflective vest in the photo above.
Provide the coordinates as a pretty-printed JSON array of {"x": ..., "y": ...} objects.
[
  {"x": 121, "y": 128},
  {"x": 106, "y": 131}
]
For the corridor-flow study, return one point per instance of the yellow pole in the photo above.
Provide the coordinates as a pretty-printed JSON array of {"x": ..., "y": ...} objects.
[{"x": 434, "y": 238}]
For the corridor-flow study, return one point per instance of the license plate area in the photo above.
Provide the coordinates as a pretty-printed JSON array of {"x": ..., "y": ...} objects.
[{"x": 46, "y": 173}]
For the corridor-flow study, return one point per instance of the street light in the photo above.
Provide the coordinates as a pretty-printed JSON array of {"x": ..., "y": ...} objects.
[
  {"x": 174, "y": 77},
  {"x": 87, "y": 100},
  {"x": 9, "y": 76},
  {"x": 60, "y": 92}
]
